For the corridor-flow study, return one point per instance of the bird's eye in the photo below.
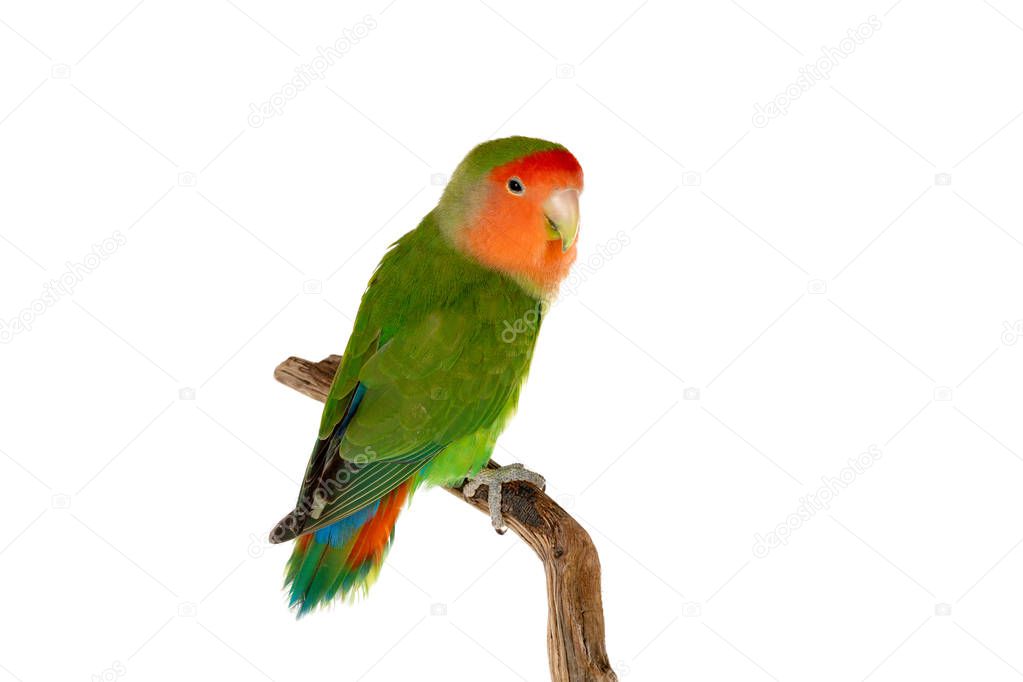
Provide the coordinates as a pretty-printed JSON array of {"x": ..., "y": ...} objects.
[{"x": 515, "y": 186}]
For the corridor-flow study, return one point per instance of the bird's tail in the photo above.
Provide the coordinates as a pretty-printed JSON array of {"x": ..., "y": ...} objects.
[{"x": 345, "y": 557}]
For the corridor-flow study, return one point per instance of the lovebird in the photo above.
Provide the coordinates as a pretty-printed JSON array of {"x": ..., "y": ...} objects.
[{"x": 435, "y": 362}]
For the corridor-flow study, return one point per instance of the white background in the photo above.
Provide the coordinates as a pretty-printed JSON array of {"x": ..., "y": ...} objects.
[{"x": 815, "y": 282}]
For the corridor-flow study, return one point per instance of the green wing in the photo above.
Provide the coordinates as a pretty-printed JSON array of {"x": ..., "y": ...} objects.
[
  {"x": 428, "y": 387},
  {"x": 394, "y": 407}
]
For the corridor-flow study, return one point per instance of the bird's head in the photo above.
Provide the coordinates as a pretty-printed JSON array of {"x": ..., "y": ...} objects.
[{"x": 513, "y": 206}]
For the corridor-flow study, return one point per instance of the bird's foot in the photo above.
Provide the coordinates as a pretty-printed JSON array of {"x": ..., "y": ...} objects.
[{"x": 494, "y": 479}]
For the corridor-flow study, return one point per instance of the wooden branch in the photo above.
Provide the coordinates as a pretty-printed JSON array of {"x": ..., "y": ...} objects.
[{"x": 575, "y": 619}]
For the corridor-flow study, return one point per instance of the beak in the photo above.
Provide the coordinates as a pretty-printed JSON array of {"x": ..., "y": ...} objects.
[{"x": 562, "y": 212}]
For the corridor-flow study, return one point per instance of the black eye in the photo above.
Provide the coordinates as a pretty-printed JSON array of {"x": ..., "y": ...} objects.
[{"x": 515, "y": 186}]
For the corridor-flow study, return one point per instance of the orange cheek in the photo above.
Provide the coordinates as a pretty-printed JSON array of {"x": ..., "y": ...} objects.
[
  {"x": 502, "y": 236},
  {"x": 510, "y": 236},
  {"x": 557, "y": 263}
]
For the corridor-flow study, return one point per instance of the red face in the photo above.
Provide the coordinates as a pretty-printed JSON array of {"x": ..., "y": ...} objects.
[{"x": 529, "y": 219}]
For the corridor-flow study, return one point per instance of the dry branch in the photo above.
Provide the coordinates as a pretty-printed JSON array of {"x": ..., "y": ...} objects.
[{"x": 575, "y": 621}]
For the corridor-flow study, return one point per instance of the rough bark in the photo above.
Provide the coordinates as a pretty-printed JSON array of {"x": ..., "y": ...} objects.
[{"x": 575, "y": 620}]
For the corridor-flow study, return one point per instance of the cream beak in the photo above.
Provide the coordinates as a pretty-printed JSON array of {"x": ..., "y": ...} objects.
[{"x": 562, "y": 212}]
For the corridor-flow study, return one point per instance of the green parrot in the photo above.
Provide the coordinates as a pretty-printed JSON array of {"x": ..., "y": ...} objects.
[{"x": 433, "y": 368}]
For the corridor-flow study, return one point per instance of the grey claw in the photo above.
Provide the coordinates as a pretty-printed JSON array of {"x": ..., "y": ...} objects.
[{"x": 494, "y": 479}]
